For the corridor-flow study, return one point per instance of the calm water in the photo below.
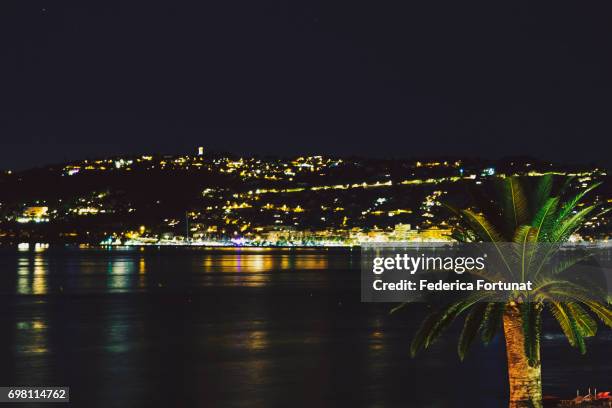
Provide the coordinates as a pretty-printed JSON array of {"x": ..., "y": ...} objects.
[{"x": 206, "y": 328}]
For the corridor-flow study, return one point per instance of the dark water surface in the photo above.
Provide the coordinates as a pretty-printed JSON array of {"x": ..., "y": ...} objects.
[{"x": 253, "y": 328}]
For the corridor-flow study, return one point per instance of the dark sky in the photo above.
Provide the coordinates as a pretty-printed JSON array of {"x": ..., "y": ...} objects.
[{"x": 402, "y": 78}]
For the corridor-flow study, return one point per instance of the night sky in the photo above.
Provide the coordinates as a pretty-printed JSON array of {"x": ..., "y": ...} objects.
[{"x": 376, "y": 78}]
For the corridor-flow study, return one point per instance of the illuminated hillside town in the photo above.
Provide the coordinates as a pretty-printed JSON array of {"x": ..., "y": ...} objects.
[{"x": 215, "y": 199}]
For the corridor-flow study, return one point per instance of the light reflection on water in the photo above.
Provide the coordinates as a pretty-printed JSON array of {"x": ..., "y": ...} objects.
[
  {"x": 41, "y": 271},
  {"x": 254, "y": 262},
  {"x": 35, "y": 331},
  {"x": 120, "y": 270},
  {"x": 45, "y": 272},
  {"x": 255, "y": 269},
  {"x": 32, "y": 275},
  {"x": 123, "y": 324}
]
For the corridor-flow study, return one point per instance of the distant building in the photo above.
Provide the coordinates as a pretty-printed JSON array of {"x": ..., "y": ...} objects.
[
  {"x": 200, "y": 151},
  {"x": 34, "y": 214}
]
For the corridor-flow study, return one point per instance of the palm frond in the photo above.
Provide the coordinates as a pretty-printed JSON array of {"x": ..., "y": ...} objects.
[
  {"x": 514, "y": 203},
  {"x": 585, "y": 323},
  {"x": 567, "y": 226},
  {"x": 532, "y": 323},
  {"x": 523, "y": 240},
  {"x": 569, "y": 292},
  {"x": 420, "y": 337},
  {"x": 470, "y": 330},
  {"x": 566, "y": 185},
  {"x": 523, "y": 234},
  {"x": 569, "y": 206},
  {"x": 439, "y": 320},
  {"x": 398, "y": 307},
  {"x": 602, "y": 310},
  {"x": 564, "y": 290},
  {"x": 566, "y": 264},
  {"x": 491, "y": 321},
  {"x": 544, "y": 218},
  {"x": 461, "y": 232},
  {"x": 568, "y": 324},
  {"x": 541, "y": 194},
  {"x": 561, "y": 232},
  {"x": 482, "y": 227}
]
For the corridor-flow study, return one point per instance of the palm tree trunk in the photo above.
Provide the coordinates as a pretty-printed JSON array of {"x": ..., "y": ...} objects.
[{"x": 525, "y": 381}]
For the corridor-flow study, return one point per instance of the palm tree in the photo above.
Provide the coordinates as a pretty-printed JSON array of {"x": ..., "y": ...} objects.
[{"x": 536, "y": 227}]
